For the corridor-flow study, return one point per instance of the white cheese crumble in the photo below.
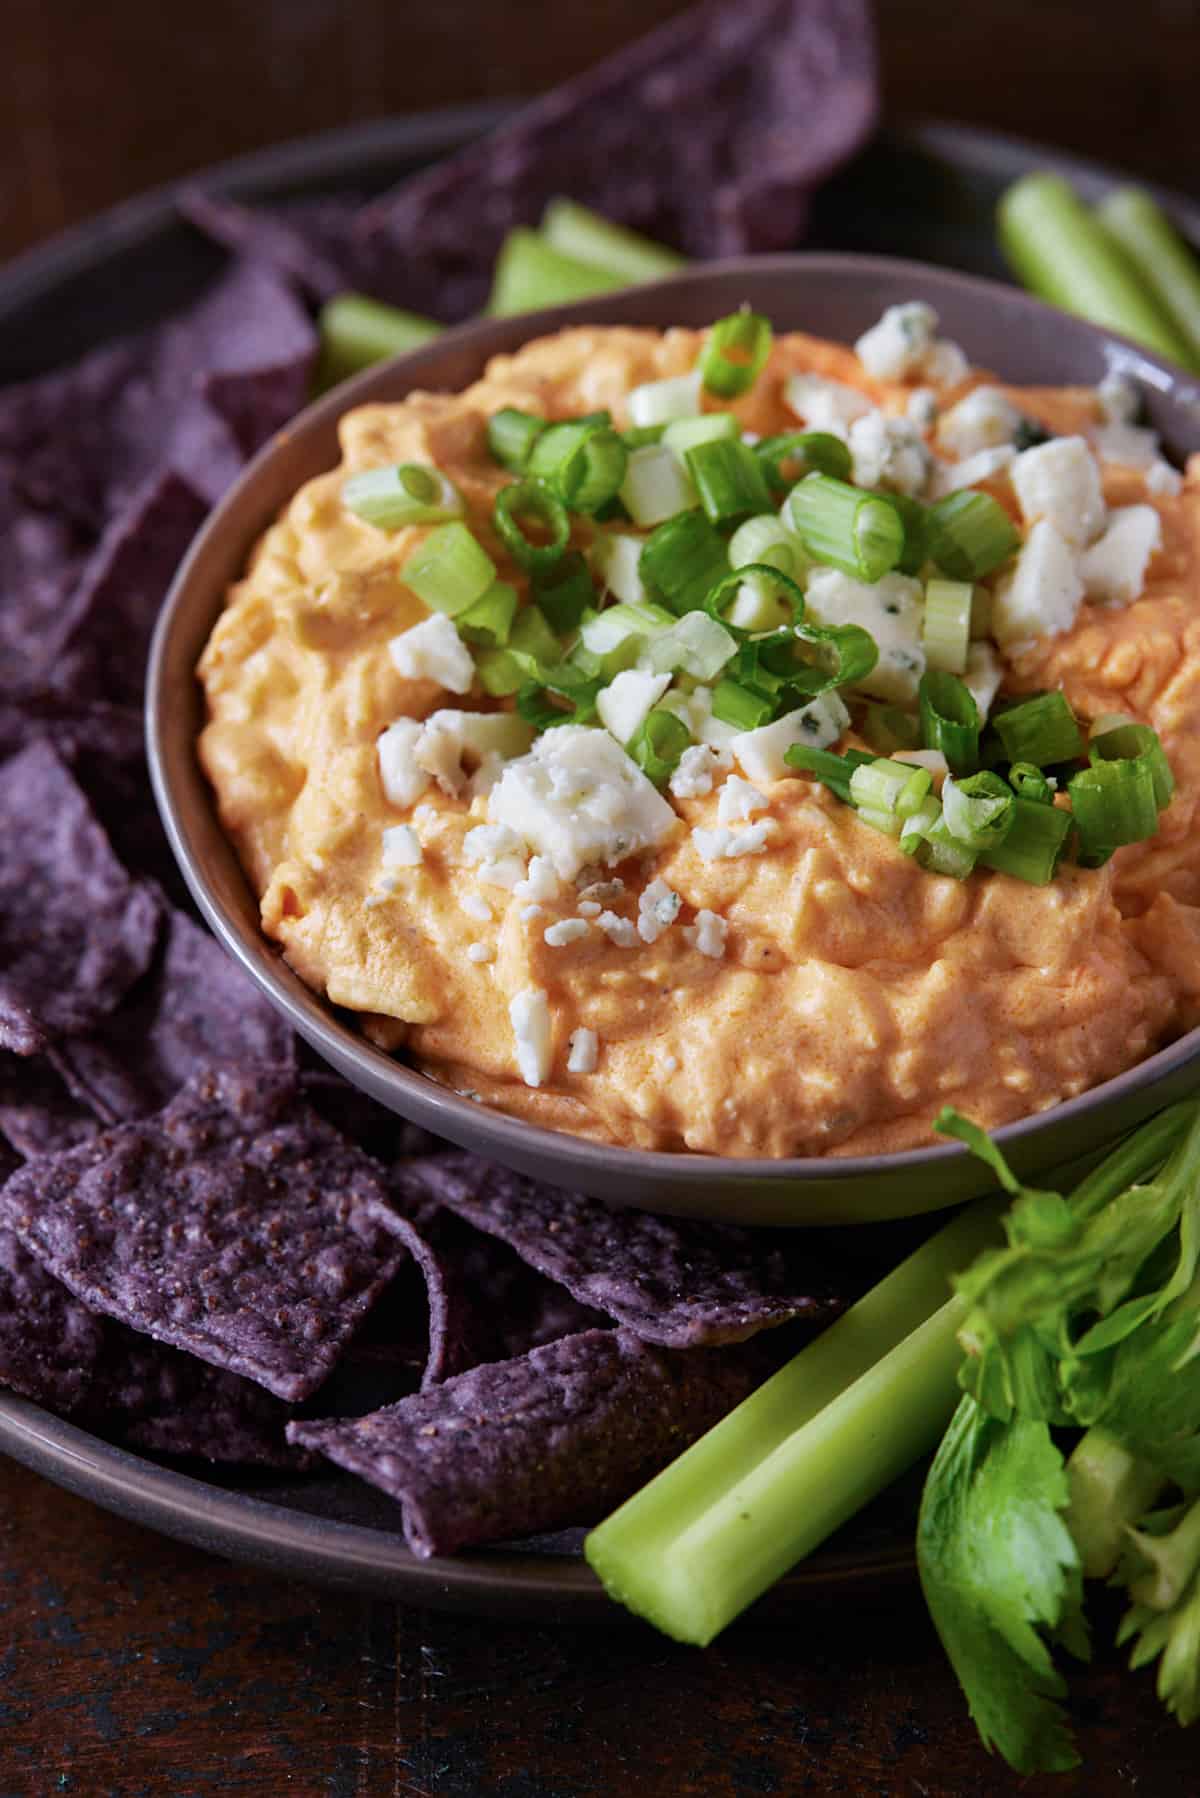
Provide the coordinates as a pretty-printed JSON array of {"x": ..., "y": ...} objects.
[
  {"x": 739, "y": 800},
  {"x": 984, "y": 465},
  {"x": 693, "y": 778},
  {"x": 891, "y": 610},
  {"x": 402, "y": 779},
  {"x": 567, "y": 930},
  {"x": 625, "y": 703},
  {"x": 761, "y": 753},
  {"x": 824, "y": 405},
  {"x": 577, "y": 798},
  {"x": 708, "y": 934},
  {"x": 621, "y": 932},
  {"x": 1059, "y": 482},
  {"x": 402, "y": 847},
  {"x": 433, "y": 650},
  {"x": 590, "y": 908},
  {"x": 1041, "y": 594},
  {"x": 477, "y": 907},
  {"x": 529, "y": 1014},
  {"x": 481, "y": 952},
  {"x": 985, "y": 419},
  {"x": 541, "y": 882},
  {"x": 497, "y": 852},
  {"x": 658, "y": 908},
  {"x": 1114, "y": 567},
  {"x": 723, "y": 844},
  {"x": 1162, "y": 478},
  {"x": 1118, "y": 399},
  {"x": 889, "y": 452},
  {"x": 483, "y": 738},
  {"x": 531, "y": 912},
  {"x": 603, "y": 890},
  {"x": 1130, "y": 445},
  {"x": 904, "y": 344},
  {"x": 921, "y": 408},
  {"x": 585, "y": 1052}
]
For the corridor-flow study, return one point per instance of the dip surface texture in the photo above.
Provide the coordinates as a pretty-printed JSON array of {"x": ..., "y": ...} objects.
[{"x": 841, "y": 994}]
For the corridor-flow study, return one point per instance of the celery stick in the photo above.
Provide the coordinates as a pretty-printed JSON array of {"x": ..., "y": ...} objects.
[
  {"x": 356, "y": 331},
  {"x": 1059, "y": 251},
  {"x": 797, "y": 1458},
  {"x": 588, "y": 237},
  {"x": 531, "y": 273},
  {"x": 1165, "y": 262}
]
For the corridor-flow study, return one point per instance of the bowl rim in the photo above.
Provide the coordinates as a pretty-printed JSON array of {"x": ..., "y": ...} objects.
[{"x": 415, "y": 1095}]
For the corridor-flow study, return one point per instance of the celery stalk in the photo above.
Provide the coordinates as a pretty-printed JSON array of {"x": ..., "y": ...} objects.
[
  {"x": 797, "y": 1458},
  {"x": 1165, "y": 262},
  {"x": 531, "y": 273},
  {"x": 588, "y": 237},
  {"x": 356, "y": 331}
]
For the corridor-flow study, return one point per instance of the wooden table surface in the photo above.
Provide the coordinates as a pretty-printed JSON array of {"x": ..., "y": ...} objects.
[{"x": 131, "y": 1666}]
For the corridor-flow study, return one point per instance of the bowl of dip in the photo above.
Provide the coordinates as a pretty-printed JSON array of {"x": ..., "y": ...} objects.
[{"x": 657, "y": 962}]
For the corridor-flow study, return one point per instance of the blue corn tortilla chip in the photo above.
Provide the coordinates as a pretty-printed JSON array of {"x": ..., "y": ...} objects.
[
  {"x": 50, "y": 1344},
  {"x": 554, "y": 1437},
  {"x": 709, "y": 135},
  {"x": 672, "y": 1282},
  {"x": 195, "y": 1007},
  {"x": 235, "y": 1224},
  {"x": 309, "y": 242},
  {"x": 38, "y": 1113},
  {"x": 75, "y": 930},
  {"x": 364, "y": 1120}
]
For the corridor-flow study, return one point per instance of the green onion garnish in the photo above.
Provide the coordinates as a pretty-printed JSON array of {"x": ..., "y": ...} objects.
[
  {"x": 489, "y": 621},
  {"x": 915, "y": 519},
  {"x": 834, "y": 655},
  {"x": 499, "y": 672},
  {"x": 639, "y": 436},
  {"x": 734, "y": 354},
  {"x": 970, "y": 534},
  {"x": 833, "y": 771},
  {"x": 772, "y": 581},
  {"x": 404, "y": 493},
  {"x": 1042, "y": 730},
  {"x": 839, "y": 524},
  {"x": 657, "y": 744},
  {"x": 1028, "y": 782},
  {"x": 511, "y": 435},
  {"x": 696, "y": 645},
  {"x": 531, "y": 502},
  {"x": 1034, "y": 844},
  {"x": 946, "y": 628},
  {"x": 789, "y": 456},
  {"x": 1113, "y": 803},
  {"x": 683, "y": 434},
  {"x": 659, "y": 402},
  {"x": 682, "y": 560},
  {"x": 941, "y": 852},
  {"x": 617, "y": 636},
  {"x": 891, "y": 791},
  {"x": 979, "y": 810},
  {"x": 656, "y": 485},
  {"x": 531, "y": 636},
  {"x": 564, "y": 591},
  {"x": 1139, "y": 743},
  {"x": 729, "y": 480},
  {"x": 888, "y": 729},
  {"x": 559, "y": 694},
  {"x": 582, "y": 460},
  {"x": 950, "y": 720},
  {"x": 766, "y": 538},
  {"x": 449, "y": 570},
  {"x": 741, "y": 706}
]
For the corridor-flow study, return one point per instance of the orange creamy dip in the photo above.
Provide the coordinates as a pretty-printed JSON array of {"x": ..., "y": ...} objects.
[{"x": 857, "y": 993}]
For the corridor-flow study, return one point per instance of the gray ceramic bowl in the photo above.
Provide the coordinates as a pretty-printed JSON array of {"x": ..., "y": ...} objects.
[{"x": 831, "y": 296}]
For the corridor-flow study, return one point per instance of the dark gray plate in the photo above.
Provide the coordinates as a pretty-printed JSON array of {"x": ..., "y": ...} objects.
[{"x": 927, "y": 192}]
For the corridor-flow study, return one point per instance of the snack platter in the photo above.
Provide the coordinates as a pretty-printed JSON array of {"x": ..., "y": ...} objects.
[{"x": 326, "y": 1526}]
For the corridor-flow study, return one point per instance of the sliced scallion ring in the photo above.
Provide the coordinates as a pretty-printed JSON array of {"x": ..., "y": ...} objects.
[
  {"x": 449, "y": 570},
  {"x": 658, "y": 743},
  {"x": 511, "y": 435},
  {"x": 1042, "y": 730},
  {"x": 946, "y": 625},
  {"x": 728, "y": 479},
  {"x": 734, "y": 354},
  {"x": 402, "y": 494},
  {"x": 1136, "y": 743},
  {"x": 950, "y": 720},
  {"x": 1028, "y": 782},
  {"x": 682, "y": 559},
  {"x": 1113, "y": 803},
  {"x": 856, "y": 532},
  {"x": 832, "y": 770},
  {"x": 970, "y": 534},
  {"x": 583, "y": 460},
  {"x": 978, "y": 810},
  {"x": 1033, "y": 845},
  {"x": 801, "y": 453},
  {"x": 531, "y": 502}
]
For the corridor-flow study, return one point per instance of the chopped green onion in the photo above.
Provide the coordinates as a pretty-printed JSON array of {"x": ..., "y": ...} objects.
[
  {"x": 616, "y": 558},
  {"x": 887, "y": 729},
  {"x": 564, "y": 592},
  {"x": 499, "y": 672},
  {"x": 618, "y": 634},
  {"x": 915, "y": 519},
  {"x": 531, "y": 636},
  {"x": 1062, "y": 253},
  {"x": 1028, "y": 782},
  {"x": 1042, "y": 730},
  {"x": 661, "y": 402},
  {"x": 656, "y": 485},
  {"x": 950, "y": 720},
  {"x": 530, "y": 273},
  {"x": 683, "y": 434},
  {"x": 970, "y": 533},
  {"x": 979, "y": 810},
  {"x": 639, "y": 436},
  {"x": 404, "y": 493},
  {"x": 537, "y": 699},
  {"x": 832, "y": 770},
  {"x": 857, "y": 532},
  {"x": 449, "y": 570},
  {"x": 941, "y": 852},
  {"x": 356, "y": 332},
  {"x": 740, "y": 706},
  {"x": 1034, "y": 845},
  {"x": 802, "y": 453},
  {"x": 838, "y": 655},
  {"x": 582, "y": 460},
  {"x": 728, "y": 479},
  {"x": 946, "y": 628},
  {"x": 682, "y": 560},
  {"x": 588, "y": 237},
  {"x": 914, "y": 832},
  {"x": 773, "y": 582},
  {"x": 1128, "y": 741},
  {"x": 489, "y": 621},
  {"x": 757, "y": 604},
  {"x": 1113, "y": 803},
  {"x": 734, "y": 354},
  {"x": 766, "y": 538},
  {"x": 696, "y": 644},
  {"x": 532, "y": 501},
  {"x": 511, "y": 435},
  {"x": 657, "y": 744},
  {"x": 892, "y": 790}
]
